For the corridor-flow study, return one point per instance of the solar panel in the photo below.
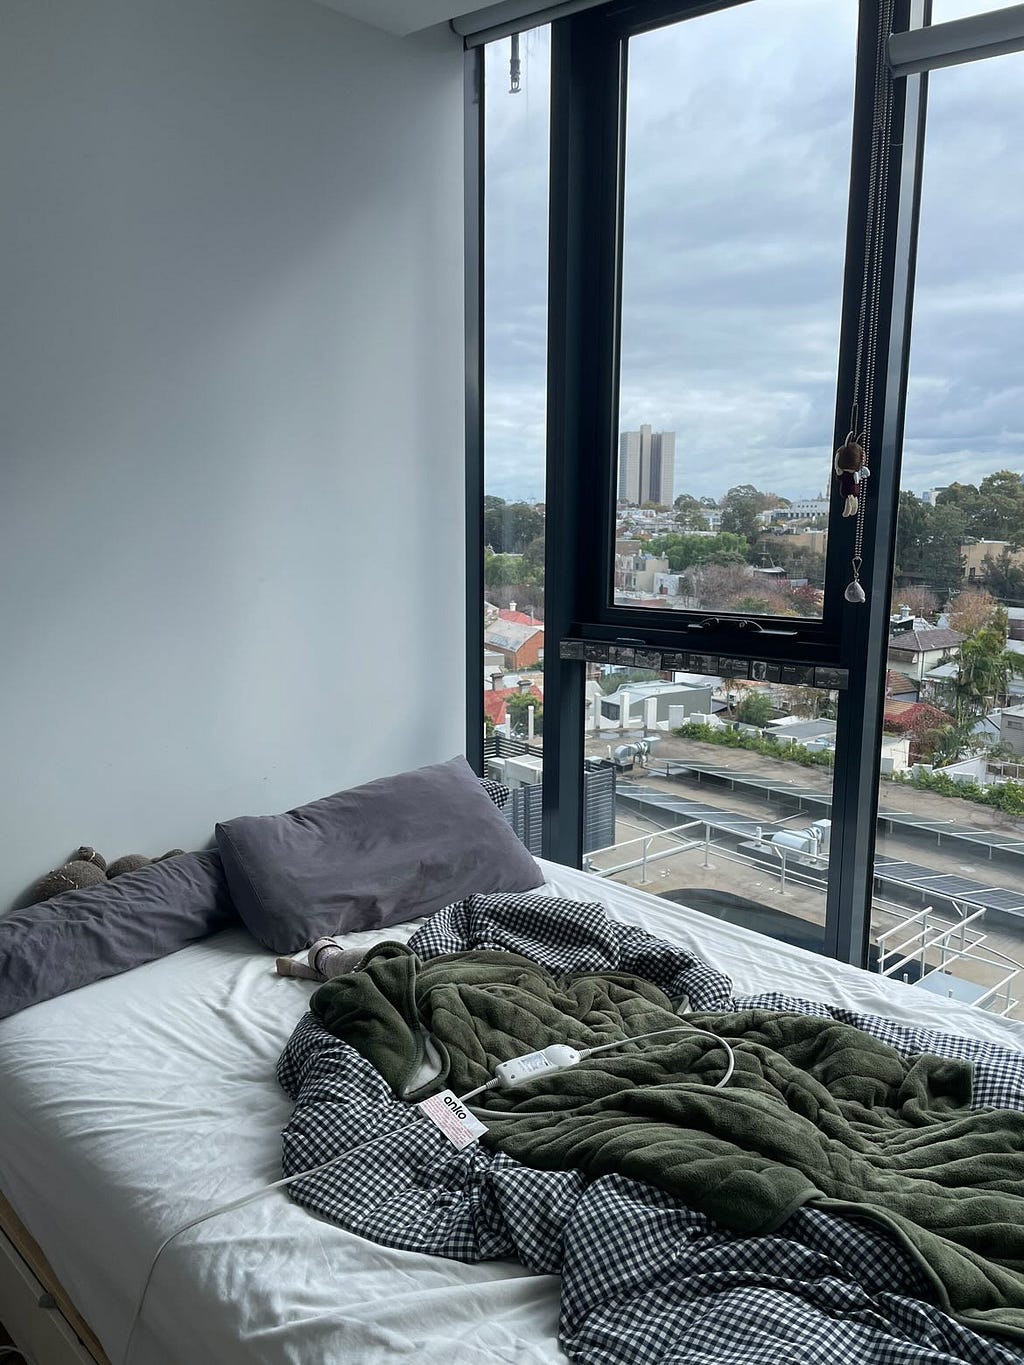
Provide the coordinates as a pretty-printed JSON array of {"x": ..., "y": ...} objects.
[
  {"x": 960, "y": 887},
  {"x": 1002, "y": 900},
  {"x": 905, "y": 872}
]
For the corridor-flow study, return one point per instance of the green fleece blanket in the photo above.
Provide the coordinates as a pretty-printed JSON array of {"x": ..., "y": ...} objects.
[{"x": 816, "y": 1112}]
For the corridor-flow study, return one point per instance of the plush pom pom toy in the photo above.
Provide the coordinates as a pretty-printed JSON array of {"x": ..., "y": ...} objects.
[
  {"x": 86, "y": 854},
  {"x": 852, "y": 472},
  {"x": 130, "y": 862},
  {"x": 75, "y": 873},
  {"x": 86, "y": 867}
]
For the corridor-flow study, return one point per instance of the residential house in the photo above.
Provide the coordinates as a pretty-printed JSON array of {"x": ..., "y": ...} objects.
[
  {"x": 1011, "y": 728},
  {"x": 520, "y": 644},
  {"x": 915, "y": 652}
]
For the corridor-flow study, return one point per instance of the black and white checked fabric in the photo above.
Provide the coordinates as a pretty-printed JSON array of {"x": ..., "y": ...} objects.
[
  {"x": 497, "y": 791},
  {"x": 645, "y": 1280},
  {"x": 571, "y": 936}
]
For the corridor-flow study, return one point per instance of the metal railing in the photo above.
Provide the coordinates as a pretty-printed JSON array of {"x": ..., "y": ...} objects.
[
  {"x": 934, "y": 943},
  {"x": 955, "y": 943},
  {"x": 646, "y": 856}
]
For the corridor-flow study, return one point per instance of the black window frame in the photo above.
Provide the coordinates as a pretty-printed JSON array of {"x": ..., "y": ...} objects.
[{"x": 588, "y": 71}]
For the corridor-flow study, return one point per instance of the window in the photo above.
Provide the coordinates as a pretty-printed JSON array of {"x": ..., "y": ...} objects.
[
  {"x": 732, "y": 237},
  {"x": 737, "y": 153},
  {"x": 949, "y": 870},
  {"x": 516, "y": 130}
]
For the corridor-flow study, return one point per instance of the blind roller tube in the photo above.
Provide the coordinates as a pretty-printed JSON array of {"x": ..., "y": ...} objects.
[
  {"x": 960, "y": 40},
  {"x": 512, "y": 16}
]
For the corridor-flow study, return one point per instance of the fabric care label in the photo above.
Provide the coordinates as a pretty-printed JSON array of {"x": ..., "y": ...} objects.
[{"x": 454, "y": 1119}]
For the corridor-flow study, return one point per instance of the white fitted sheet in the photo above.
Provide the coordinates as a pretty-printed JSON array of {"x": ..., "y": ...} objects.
[{"x": 137, "y": 1103}]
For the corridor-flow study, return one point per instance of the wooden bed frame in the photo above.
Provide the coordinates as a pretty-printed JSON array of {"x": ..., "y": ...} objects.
[{"x": 35, "y": 1308}]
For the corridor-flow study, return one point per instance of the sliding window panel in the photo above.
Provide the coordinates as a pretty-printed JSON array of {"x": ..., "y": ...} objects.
[
  {"x": 517, "y": 88},
  {"x": 712, "y": 791},
  {"x": 738, "y": 128},
  {"x": 949, "y": 862}
]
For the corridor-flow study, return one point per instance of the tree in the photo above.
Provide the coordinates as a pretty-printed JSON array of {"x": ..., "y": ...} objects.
[
  {"x": 925, "y": 725},
  {"x": 533, "y": 556},
  {"x": 928, "y": 541},
  {"x": 502, "y": 570},
  {"x": 912, "y": 531},
  {"x": 740, "y": 507},
  {"x": 999, "y": 514},
  {"x": 518, "y": 710},
  {"x": 955, "y": 741},
  {"x": 799, "y": 561},
  {"x": 716, "y": 586},
  {"x": 1005, "y": 577},
  {"x": 755, "y": 708},
  {"x": 921, "y": 601},
  {"x": 971, "y": 610},
  {"x": 965, "y": 498},
  {"x": 984, "y": 670},
  {"x": 683, "y": 551},
  {"x": 689, "y": 513},
  {"x": 510, "y": 526},
  {"x": 944, "y": 565}
]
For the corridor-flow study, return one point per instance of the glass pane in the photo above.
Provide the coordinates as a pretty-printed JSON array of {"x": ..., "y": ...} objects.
[
  {"x": 714, "y": 793},
  {"x": 516, "y": 128},
  {"x": 950, "y": 848},
  {"x": 738, "y": 135}
]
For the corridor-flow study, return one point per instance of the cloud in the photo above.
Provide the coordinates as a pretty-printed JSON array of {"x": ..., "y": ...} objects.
[{"x": 738, "y": 144}]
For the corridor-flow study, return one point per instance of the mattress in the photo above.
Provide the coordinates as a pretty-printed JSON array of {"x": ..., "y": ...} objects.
[{"x": 138, "y": 1103}]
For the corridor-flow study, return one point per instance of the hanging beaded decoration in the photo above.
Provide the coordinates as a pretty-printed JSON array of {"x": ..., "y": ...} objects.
[{"x": 851, "y": 459}]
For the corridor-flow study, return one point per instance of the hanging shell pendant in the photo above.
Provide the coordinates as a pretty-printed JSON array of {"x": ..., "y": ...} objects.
[{"x": 854, "y": 592}]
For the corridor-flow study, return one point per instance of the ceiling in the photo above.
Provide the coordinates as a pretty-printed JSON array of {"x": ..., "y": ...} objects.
[{"x": 403, "y": 16}]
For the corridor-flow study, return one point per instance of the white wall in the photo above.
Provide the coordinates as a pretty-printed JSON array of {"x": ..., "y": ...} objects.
[{"x": 230, "y": 380}]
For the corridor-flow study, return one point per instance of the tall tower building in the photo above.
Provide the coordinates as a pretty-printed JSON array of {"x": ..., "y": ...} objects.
[{"x": 647, "y": 466}]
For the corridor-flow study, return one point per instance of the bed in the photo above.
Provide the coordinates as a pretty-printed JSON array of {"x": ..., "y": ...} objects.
[{"x": 137, "y": 1102}]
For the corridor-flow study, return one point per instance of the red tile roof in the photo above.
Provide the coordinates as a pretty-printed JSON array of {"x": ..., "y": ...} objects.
[
  {"x": 520, "y": 617},
  {"x": 495, "y": 701},
  {"x": 911, "y": 715}
]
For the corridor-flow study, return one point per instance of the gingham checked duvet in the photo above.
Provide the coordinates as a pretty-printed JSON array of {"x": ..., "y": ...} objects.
[{"x": 643, "y": 1278}]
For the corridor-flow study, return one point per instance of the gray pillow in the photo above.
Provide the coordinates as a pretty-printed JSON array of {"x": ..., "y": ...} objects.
[
  {"x": 368, "y": 857},
  {"x": 83, "y": 936}
]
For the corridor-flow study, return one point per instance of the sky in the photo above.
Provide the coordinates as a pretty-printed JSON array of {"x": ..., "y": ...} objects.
[{"x": 737, "y": 166}]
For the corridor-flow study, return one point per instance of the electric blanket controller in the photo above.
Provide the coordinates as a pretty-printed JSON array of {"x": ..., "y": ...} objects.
[{"x": 521, "y": 1069}]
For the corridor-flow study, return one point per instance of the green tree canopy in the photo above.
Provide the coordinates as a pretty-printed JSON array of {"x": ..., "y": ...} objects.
[
  {"x": 755, "y": 708},
  {"x": 683, "y": 551},
  {"x": 1004, "y": 577},
  {"x": 740, "y": 507},
  {"x": 928, "y": 541},
  {"x": 689, "y": 513},
  {"x": 992, "y": 511},
  {"x": 984, "y": 670},
  {"x": 518, "y": 708},
  {"x": 510, "y": 526},
  {"x": 504, "y": 570}
]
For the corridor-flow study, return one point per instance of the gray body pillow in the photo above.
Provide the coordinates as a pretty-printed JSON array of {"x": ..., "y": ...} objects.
[{"x": 83, "y": 936}]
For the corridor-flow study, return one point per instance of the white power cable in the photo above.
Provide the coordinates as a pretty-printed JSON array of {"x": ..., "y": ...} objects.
[
  {"x": 517, "y": 1071},
  {"x": 248, "y": 1199},
  {"x": 677, "y": 1028}
]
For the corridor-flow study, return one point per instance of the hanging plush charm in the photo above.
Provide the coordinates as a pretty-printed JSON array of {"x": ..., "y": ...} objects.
[{"x": 852, "y": 472}]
